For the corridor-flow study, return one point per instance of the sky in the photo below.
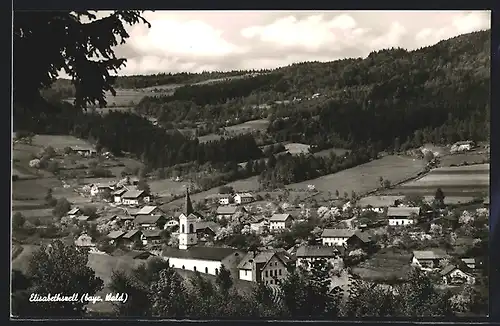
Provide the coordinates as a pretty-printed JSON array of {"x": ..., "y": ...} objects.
[{"x": 196, "y": 41}]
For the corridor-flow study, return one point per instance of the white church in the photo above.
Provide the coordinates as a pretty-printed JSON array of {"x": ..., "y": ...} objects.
[{"x": 190, "y": 256}]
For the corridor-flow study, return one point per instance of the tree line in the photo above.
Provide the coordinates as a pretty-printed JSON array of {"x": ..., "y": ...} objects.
[{"x": 156, "y": 290}]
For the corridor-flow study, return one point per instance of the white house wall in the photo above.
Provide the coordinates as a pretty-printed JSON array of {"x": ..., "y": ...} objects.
[
  {"x": 246, "y": 274},
  {"x": 334, "y": 241},
  {"x": 190, "y": 264},
  {"x": 400, "y": 221}
]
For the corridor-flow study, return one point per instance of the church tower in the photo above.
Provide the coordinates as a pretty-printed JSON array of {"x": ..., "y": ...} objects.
[{"x": 187, "y": 226}]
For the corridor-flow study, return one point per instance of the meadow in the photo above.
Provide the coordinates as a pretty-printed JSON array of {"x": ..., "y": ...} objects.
[
  {"x": 462, "y": 181},
  {"x": 297, "y": 148},
  {"x": 366, "y": 177},
  {"x": 388, "y": 200},
  {"x": 239, "y": 129},
  {"x": 336, "y": 151}
]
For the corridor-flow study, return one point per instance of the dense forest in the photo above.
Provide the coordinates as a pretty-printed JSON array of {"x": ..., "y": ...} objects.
[{"x": 439, "y": 93}]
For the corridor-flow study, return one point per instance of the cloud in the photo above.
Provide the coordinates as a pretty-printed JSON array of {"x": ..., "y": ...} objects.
[{"x": 208, "y": 40}]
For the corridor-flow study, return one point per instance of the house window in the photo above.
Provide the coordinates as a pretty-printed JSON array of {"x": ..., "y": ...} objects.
[
  {"x": 245, "y": 273},
  {"x": 191, "y": 229},
  {"x": 279, "y": 271},
  {"x": 182, "y": 229},
  {"x": 206, "y": 270},
  {"x": 267, "y": 274},
  {"x": 183, "y": 267},
  {"x": 194, "y": 268},
  {"x": 216, "y": 271},
  {"x": 271, "y": 282},
  {"x": 275, "y": 272}
]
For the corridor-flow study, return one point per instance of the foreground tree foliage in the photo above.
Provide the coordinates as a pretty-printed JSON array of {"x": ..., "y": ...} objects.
[
  {"x": 77, "y": 42},
  {"x": 56, "y": 268}
]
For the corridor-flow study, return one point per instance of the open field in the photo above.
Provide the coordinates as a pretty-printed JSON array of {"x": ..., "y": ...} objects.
[
  {"x": 388, "y": 200},
  {"x": 336, "y": 151},
  {"x": 462, "y": 181},
  {"x": 58, "y": 141},
  {"x": 22, "y": 260},
  {"x": 385, "y": 265},
  {"x": 34, "y": 189},
  {"x": 239, "y": 129},
  {"x": 209, "y": 137},
  {"x": 461, "y": 158},
  {"x": 365, "y": 177},
  {"x": 167, "y": 187}
]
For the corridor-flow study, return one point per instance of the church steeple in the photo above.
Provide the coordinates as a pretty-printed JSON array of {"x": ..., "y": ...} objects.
[{"x": 188, "y": 206}]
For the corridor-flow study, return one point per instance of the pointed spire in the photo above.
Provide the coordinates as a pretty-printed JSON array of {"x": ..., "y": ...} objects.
[{"x": 188, "y": 206}]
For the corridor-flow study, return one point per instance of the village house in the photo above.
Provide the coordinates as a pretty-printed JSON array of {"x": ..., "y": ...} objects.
[
  {"x": 462, "y": 146},
  {"x": 336, "y": 237},
  {"x": 206, "y": 229},
  {"x": 190, "y": 256},
  {"x": 135, "y": 197},
  {"x": 131, "y": 237},
  {"x": 228, "y": 212},
  {"x": 402, "y": 216},
  {"x": 115, "y": 237},
  {"x": 84, "y": 218},
  {"x": 360, "y": 240},
  {"x": 83, "y": 150},
  {"x": 244, "y": 198},
  {"x": 270, "y": 266},
  {"x": 100, "y": 188},
  {"x": 280, "y": 222},
  {"x": 74, "y": 212},
  {"x": 123, "y": 220},
  {"x": 84, "y": 241},
  {"x": 471, "y": 263},
  {"x": 308, "y": 254},
  {"x": 150, "y": 222},
  {"x": 149, "y": 210},
  {"x": 117, "y": 195},
  {"x": 225, "y": 199},
  {"x": 258, "y": 225},
  {"x": 457, "y": 275},
  {"x": 171, "y": 224},
  {"x": 151, "y": 237},
  {"x": 428, "y": 260}
]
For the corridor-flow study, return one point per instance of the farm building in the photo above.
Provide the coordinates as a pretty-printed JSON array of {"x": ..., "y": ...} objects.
[
  {"x": 149, "y": 210},
  {"x": 336, "y": 237},
  {"x": 84, "y": 218},
  {"x": 150, "y": 222},
  {"x": 228, "y": 212},
  {"x": 206, "y": 228},
  {"x": 131, "y": 237},
  {"x": 135, "y": 197},
  {"x": 84, "y": 240},
  {"x": 244, "y": 198},
  {"x": 100, "y": 188},
  {"x": 402, "y": 215},
  {"x": 83, "y": 150},
  {"x": 360, "y": 240},
  {"x": 257, "y": 224},
  {"x": 115, "y": 237},
  {"x": 462, "y": 146},
  {"x": 470, "y": 263},
  {"x": 225, "y": 199},
  {"x": 151, "y": 237},
  {"x": 117, "y": 195},
  {"x": 456, "y": 275},
  {"x": 74, "y": 212},
  {"x": 139, "y": 254},
  {"x": 428, "y": 259},
  {"x": 280, "y": 222},
  {"x": 269, "y": 266},
  {"x": 307, "y": 254}
]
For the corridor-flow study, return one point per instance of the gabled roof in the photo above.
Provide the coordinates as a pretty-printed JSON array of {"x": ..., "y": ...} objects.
[
  {"x": 146, "y": 210},
  {"x": 115, "y": 234},
  {"x": 119, "y": 192},
  {"x": 430, "y": 254},
  {"x": 126, "y": 218},
  {"x": 151, "y": 233},
  {"x": 402, "y": 211},
  {"x": 317, "y": 251},
  {"x": 73, "y": 211},
  {"x": 201, "y": 253},
  {"x": 279, "y": 217},
  {"x": 131, "y": 233},
  {"x": 337, "y": 233},
  {"x": 208, "y": 224},
  {"x": 138, "y": 254},
  {"x": 83, "y": 218},
  {"x": 133, "y": 194},
  {"x": 450, "y": 268},
  {"x": 363, "y": 236},
  {"x": 263, "y": 257},
  {"x": 245, "y": 195},
  {"x": 469, "y": 260},
  {"x": 147, "y": 219},
  {"x": 226, "y": 210}
]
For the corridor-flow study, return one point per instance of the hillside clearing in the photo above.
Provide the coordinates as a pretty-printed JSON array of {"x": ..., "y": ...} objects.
[{"x": 366, "y": 177}]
